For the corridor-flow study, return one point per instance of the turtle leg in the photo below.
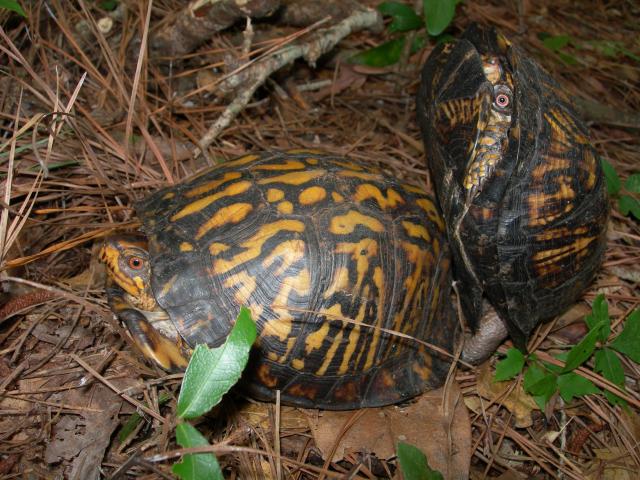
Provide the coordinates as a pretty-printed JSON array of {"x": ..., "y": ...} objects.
[
  {"x": 166, "y": 353},
  {"x": 490, "y": 333}
]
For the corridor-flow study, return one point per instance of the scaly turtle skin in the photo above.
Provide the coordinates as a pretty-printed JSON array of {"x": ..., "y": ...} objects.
[
  {"x": 519, "y": 185},
  {"x": 330, "y": 255}
]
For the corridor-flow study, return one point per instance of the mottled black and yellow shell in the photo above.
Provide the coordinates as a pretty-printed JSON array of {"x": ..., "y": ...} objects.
[
  {"x": 330, "y": 255},
  {"x": 519, "y": 185}
]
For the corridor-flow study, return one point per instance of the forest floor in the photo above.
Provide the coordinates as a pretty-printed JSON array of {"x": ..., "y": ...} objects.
[{"x": 78, "y": 149}]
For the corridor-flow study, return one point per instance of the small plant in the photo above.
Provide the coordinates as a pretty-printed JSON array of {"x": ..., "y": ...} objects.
[
  {"x": 559, "y": 44},
  {"x": 626, "y": 197},
  {"x": 13, "y": 6},
  {"x": 414, "y": 464},
  {"x": 438, "y": 15},
  {"x": 209, "y": 376},
  {"x": 542, "y": 379}
]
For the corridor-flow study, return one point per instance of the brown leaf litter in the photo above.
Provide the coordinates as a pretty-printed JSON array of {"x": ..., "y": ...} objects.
[{"x": 68, "y": 377}]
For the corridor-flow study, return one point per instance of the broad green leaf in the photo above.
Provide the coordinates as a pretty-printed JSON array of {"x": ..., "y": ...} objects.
[
  {"x": 212, "y": 372},
  {"x": 556, "y": 42},
  {"x": 381, "y": 56},
  {"x": 611, "y": 177},
  {"x": 599, "y": 314},
  {"x": 414, "y": 464},
  {"x": 614, "y": 399},
  {"x": 438, "y": 15},
  {"x": 13, "y": 6},
  {"x": 195, "y": 466},
  {"x": 404, "y": 18},
  {"x": 581, "y": 352},
  {"x": 540, "y": 385},
  {"x": 628, "y": 204},
  {"x": 573, "y": 385},
  {"x": 632, "y": 183},
  {"x": 510, "y": 366},
  {"x": 628, "y": 342},
  {"x": 608, "y": 363},
  {"x": 555, "y": 368}
]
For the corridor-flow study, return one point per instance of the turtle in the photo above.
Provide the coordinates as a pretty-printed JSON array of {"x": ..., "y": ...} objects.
[
  {"x": 345, "y": 269},
  {"x": 518, "y": 184},
  {"x": 348, "y": 271}
]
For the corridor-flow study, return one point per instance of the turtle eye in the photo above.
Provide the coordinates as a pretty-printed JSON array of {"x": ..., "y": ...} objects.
[
  {"x": 502, "y": 100},
  {"x": 136, "y": 263}
]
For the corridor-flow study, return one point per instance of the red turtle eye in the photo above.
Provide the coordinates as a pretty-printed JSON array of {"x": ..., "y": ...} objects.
[
  {"x": 502, "y": 100},
  {"x": 136, "y": 263}
]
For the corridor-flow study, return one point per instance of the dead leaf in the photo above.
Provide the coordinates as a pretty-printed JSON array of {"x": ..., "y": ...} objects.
[
  {"x": 611, "y": 464},
  {"x": 84, "y": 438},
  {"x": 576, "y": 313},
  {"x": 347, "y": 77},
  {"x": 444, "y": 435},
  {"x": 517, "y": 401},
  {"x": 257, "y": 414}
]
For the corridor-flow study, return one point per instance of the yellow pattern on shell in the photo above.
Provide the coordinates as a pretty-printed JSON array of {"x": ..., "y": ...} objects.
[
  {"x": 212, "y": 185},
  {"x": 274, "y": 195},
  {"x": 286, "y": 207},
  {"x": 230, "y": 214},
  {"x": 312, "y": 195},
  {"x": 293, "y": 178},
  {"x": 253, "y": 246},
  {"x": 367, "y": 190},
  {"x": 200, "y": 204},
  {"x": 346, "y": 224}
]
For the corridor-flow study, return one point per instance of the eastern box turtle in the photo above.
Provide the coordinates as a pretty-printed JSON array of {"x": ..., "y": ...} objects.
[
  {"x": 334, "y": 258},
  {"x": 519, "y": 185},
  {"x": 331, "y": 256}
]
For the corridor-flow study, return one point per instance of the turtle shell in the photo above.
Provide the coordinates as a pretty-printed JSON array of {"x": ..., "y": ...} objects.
[
  {"x": 518, "y": 183},
  {"x": 345, "y": 270}
]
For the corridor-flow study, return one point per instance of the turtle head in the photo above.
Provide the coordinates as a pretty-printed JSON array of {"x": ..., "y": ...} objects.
[
  {"x": 467, "y": 107},
  {"x": 127, "y": 260}
]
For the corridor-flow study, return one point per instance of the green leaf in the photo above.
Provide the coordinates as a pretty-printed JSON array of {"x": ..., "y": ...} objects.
[
  {"x": 108, "y": 5},
  {"x": 608, "y": 363},
  {"x": 540, "y": 385},
  {"x": 581, "y": 352},
  {"x": 615, "y": 399},
  {"x": 632, "y": 183},
  {"x": 212, "y": 372},
  {"x": 599, "y": 314},
  {"x": 611, "y": 177},
  {"x": 13, "y": 6},
  {"x": 630, "y": 54},
  {"x": 556, "y": 42},
  {"x": 573, "y": 385},
  {"x": 129, "y": 426},
  {"x": 404, "y": 18},
  {"x": 567, "y": 58},
  {"x": 381, "y": 56},
  {"x": 438, "y": 15},
  {"x": 607, "y": 48},
  {"x": 414, "y": 464},
  {"x": 195, "y": 466},
  {"x": 135, "y": 418},
  {"x": 628, "y": 341},
  {"x": 628, "y": 204},
  {"x": 510, "y": 366}
]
